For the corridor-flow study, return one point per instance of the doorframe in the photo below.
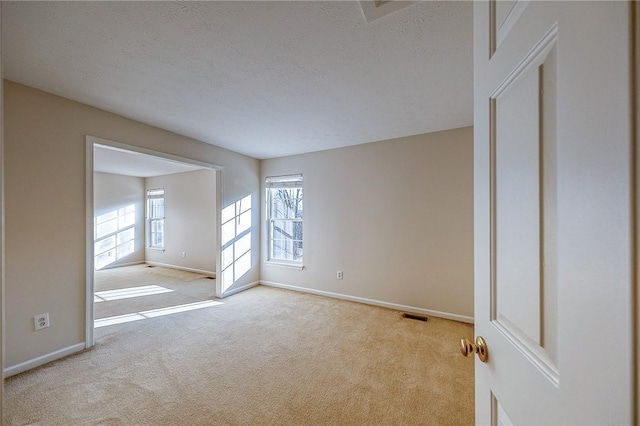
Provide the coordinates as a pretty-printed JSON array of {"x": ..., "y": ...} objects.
[{"x": 91, "y": 141}]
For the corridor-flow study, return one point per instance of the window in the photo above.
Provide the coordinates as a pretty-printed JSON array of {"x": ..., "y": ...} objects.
[
  {"x": 284, "y": 211},
  {"x": 155, "y": 216}
]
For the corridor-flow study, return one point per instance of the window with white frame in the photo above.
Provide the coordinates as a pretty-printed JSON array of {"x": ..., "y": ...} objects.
[
  {"x": 285, "y": 217},
  {"x": 155, "y": 218}
]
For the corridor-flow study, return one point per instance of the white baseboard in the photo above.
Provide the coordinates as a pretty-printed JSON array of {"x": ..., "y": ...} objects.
[
  {"x": 397, "y": 307},
  {"x": 121, "y": 265},
  {"x": 42, "y": 360},
  {"x": 239, "y": 289},
  {"x": 181, "y": 268}
]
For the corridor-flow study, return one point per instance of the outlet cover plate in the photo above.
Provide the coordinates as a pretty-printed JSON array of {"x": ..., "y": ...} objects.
[{"x": 41, "y": 321}]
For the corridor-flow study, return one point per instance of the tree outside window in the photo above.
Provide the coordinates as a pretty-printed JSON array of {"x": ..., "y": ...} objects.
[{"x": 285, "y": 218}]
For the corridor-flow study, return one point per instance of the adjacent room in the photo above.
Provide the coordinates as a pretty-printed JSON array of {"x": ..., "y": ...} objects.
[
  {"x": 153, "y": 212},
  {"x": 319, "y": 212},
  {"x": 387, "y": 193}
]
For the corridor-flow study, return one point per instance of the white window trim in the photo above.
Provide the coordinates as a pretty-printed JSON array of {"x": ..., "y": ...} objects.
[
  {"x": 283, "y": 264},
  {"x": 149, "y": 220},
  {"x": 285, "y": 181}
]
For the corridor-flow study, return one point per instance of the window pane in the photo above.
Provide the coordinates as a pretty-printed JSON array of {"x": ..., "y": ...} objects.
[
  {"x": 288, "y": 255},
  {"x": 298, "y": 214},
  {"x": 297, "y": 230},
  {"x": 157, "y": 240},
  {"x": 157, "y": 226},
  {"x": 157, "y": 233},
  {"x": 157, "y": 208},
  {"x": 278, "y": 251},
  {"x": 297, "y": 250},
  {"x": 283, "y": 250},
  {"x": 282, "y": 229},
  {"x": 286, "y": 203}
]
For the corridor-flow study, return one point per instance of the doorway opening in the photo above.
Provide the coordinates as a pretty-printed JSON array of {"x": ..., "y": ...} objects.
[{"x": 148, "y": 209}]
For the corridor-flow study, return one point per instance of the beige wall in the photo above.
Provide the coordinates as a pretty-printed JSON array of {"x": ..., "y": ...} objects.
[
  {"x": 190, "y": 217},
  {"x": 112, "y": 192},
  {"x": 45, "y": 209},
  {"x": 2, "y": 226},
  {"x": 395, "y": 216}
]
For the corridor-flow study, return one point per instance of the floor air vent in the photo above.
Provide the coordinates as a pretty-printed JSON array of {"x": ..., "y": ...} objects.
[{"x": 414, "y": 317}]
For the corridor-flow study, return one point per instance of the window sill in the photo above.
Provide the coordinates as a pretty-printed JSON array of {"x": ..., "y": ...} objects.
[
  {"x": 155, "y": 248},
  {"x": 298, "y": 266}
]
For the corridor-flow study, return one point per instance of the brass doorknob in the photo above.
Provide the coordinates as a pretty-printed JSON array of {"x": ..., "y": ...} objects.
[{"x": 480, "y": 348}]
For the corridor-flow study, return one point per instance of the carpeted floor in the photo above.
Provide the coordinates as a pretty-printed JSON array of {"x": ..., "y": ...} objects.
[
  {"x": 262, "y": 357},
  {"x": 181, "y": 288}
]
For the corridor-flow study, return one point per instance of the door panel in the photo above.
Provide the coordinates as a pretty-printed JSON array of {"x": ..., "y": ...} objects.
[
  {"x": 553, "y": 256},
  {"x": 503, "y": 16},
  {"x": 522, "y": 123}
]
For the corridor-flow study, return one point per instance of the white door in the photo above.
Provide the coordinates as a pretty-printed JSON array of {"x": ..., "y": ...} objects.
[{"x": 553, "y": 212}]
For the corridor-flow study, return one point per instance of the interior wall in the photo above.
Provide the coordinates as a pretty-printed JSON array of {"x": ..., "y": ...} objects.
[
  {"x": 2, "y": 225},
  {"x": 190, "y": 217},
  {"x": 45, "y": 143},
  {"x": 113, "y": 192},
  {"x": 395, "y": 216}
]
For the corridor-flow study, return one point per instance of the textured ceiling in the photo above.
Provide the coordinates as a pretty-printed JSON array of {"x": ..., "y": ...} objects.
[{"x": 263, "y": 78}]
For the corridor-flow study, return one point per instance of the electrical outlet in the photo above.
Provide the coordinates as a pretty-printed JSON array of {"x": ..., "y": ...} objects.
[
  {"x": 41, "y": 321},
  {"x": 184, "y": 254},
  {"x": 339, "y": 275}
]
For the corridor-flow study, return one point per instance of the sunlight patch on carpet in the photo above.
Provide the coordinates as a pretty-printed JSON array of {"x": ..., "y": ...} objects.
[
  {"x": 154, "y": 313},
  {"x": 127, "y": 293}
]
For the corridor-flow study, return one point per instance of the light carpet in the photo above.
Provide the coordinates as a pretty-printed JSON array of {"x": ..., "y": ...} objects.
[{"x": 263, "y": 357}]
